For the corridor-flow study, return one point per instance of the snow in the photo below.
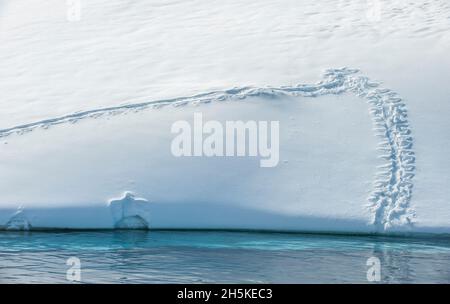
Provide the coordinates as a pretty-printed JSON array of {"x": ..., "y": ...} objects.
[
  {"x": 130, "y": 212},
  {"x": 87, "y": 106}
]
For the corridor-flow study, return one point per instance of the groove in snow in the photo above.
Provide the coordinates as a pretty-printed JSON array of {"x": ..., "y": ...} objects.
[
  {"x": 129, "y": 212},
  {"x": 18, "y": 221}
]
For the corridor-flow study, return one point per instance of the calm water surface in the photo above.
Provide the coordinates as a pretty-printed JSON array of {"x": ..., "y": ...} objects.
[{"x": 219, "y": 256}]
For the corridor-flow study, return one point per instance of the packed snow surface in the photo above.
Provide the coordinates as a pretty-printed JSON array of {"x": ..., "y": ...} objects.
[{"x": 87, "y": 107}]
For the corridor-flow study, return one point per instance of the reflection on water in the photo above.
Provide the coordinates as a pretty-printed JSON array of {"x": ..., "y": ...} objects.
[{"x": 219, "y": 256}]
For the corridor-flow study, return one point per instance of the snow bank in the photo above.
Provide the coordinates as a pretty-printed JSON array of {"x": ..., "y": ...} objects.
[
  {"x": 348, "y": 145},
  {"x": 389, "y": 199}
]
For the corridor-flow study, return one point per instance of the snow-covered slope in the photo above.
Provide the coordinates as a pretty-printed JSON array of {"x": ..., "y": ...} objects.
[{"x": 87, "y": 107}]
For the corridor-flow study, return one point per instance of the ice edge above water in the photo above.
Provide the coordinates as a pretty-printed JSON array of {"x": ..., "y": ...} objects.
[{"x": 390, "y": 200}]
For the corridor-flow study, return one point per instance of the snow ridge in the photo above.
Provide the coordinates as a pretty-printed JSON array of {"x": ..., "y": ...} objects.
[{"x": 389, "y": 202}]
